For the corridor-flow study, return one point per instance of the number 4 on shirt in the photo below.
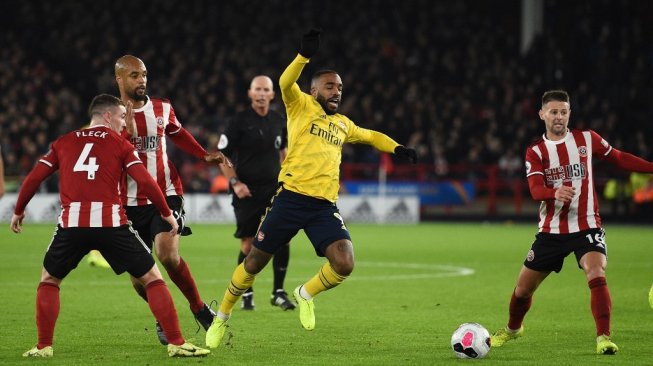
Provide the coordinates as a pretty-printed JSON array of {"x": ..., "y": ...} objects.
[{"x": 82, "y": 166}]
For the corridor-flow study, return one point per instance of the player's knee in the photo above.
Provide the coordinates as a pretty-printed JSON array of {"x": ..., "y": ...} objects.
[
  {"x": 47, "y": 277},
  {"x": 341, "y": 257},
  {"x": 523, "y": 292},
  {"x": 343, "y": 266},
  {"x": 140, "y": 283},
  {"x": 256, "y": 261},
  {"x": 595, "y": 272},
  {"x": 252, "y": 266},
  {"x": 169, "y": 260}
]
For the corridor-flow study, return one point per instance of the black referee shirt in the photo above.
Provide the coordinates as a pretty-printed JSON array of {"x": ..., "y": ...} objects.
[{"x": 253, "y": 143}]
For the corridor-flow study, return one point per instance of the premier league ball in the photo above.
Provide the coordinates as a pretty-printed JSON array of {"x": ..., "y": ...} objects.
[{"x": 470, "y": 340}]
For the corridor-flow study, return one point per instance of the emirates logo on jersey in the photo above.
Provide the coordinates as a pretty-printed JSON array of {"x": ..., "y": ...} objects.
[
  {"x": 330, "y": 135},
  {"x": 159, "y": 121},
  {"x": 582, "y": 151}
]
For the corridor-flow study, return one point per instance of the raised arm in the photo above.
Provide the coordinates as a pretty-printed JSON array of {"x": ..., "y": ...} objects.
[{"x": 290, "y": 91}]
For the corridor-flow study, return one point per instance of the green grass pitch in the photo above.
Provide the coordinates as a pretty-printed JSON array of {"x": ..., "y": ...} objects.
[{"x": 412, "y": 286}]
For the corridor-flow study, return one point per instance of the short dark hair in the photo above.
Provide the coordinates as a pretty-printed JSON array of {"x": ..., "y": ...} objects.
[
  {"x": 101, "y": 102},
  {"x": 319, "y": 73},
  {"x": 555, "y": 95}
]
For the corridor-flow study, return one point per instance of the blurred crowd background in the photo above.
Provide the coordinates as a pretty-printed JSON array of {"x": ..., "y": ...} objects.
[{"x": 448, "y": 78}]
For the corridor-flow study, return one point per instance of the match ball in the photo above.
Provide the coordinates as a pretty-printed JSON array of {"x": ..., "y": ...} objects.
[{"x": 470, "y": 340}]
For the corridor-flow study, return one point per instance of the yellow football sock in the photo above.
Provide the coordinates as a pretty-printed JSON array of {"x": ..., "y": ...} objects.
[
  {"x": 325, "y": 279},
  {"x": 240, "y": 282}
]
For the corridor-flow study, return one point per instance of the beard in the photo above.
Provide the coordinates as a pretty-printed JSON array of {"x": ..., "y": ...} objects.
[
  {"x": 323, "y": 102},
  {"x": 134, "y": 95}
]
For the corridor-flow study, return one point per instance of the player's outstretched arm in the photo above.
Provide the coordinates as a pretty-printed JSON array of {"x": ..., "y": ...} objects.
[
  {"x": 382, "y": 142},
  {"x": 406, "y": 153},
  {"x": 31, "y": 183},
  {"x": 187, "y": 143},
  {"x": 218, "y": 158},
  {"x": 629, "y": 161}
]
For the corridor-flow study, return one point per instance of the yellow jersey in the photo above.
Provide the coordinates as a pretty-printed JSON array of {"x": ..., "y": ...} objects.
[{"x": 315, "y": 139}]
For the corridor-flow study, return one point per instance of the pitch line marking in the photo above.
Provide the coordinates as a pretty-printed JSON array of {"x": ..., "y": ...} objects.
[{"x": 426, "y": 271}]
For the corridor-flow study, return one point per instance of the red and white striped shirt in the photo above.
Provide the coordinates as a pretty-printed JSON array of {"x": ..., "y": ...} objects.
[
  {"x": 568, "y": 162},
  {"x": 91, "y": 162},
  {"x": 154, "y": 121}
]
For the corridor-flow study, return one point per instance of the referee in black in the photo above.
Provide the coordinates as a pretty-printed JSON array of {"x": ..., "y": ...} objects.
[{"x": 256, "y": 142}]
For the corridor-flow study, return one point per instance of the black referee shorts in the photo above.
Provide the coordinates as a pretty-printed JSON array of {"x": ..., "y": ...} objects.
[
  {"x": 120, "y": 246},
  {"x": 250, "y": 210},
  {"x": 148, "y": 222},
  {"x": 549, "y": 251},
  {"x": 290, "y": 212}
]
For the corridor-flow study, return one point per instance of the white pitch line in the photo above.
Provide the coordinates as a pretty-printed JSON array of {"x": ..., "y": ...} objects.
[{"x": 426, "y": 271}]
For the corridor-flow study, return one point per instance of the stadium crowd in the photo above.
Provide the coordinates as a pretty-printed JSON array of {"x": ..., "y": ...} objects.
[{"x": 446, "y": 78}]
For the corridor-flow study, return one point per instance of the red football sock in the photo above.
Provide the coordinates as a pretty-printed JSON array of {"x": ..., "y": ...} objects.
[
  {"x": 163, "y": 308},
  {"x": 518, "y": 309},
  {"x": 47, "y": 312},
  {"x": 184, "y": 280},
  {"x": 601, "y": 305}
]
